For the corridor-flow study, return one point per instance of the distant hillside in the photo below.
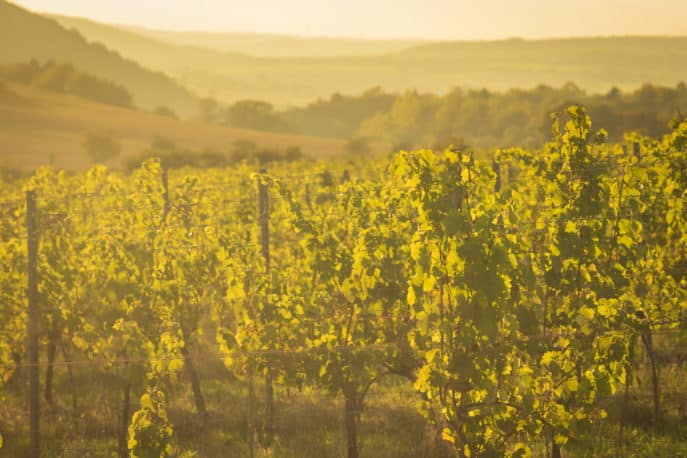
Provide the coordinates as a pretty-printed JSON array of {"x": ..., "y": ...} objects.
[
  {"x": 39, "y": 127},
  {"x": 249, "y": 44},
  {"x": 25, "y": 36},
  {"x": 157, "y": 54},
  {"x": 266, "y": 45},
  {"x": 594, "y": 64}
]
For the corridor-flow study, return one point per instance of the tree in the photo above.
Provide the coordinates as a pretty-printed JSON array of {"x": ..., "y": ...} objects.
[
  {"x": 358, "y": 146},
  {"x": 165, "y": 111},
  {"x": 243, "y": 149},
  {"x": 254, "y": 114},
  {"x": 101, "y": 146},
  {"x": 209, "y": 109}
]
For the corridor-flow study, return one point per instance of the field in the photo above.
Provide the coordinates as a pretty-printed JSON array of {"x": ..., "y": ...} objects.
[
  {"x": 428, "y": 304},
  {"x": 39, "y": 127}
]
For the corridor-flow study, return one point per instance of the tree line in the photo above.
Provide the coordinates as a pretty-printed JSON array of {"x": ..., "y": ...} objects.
[
  {"x": 478, "y": 118},
  {"x": 65, "y": 78}
]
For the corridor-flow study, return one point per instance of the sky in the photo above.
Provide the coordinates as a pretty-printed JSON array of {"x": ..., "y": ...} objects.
[{"x": 430, "y": 19}]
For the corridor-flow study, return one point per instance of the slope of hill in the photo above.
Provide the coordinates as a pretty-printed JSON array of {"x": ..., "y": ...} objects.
[
  {"x": 155, "y": 53},
  {"x": 267, "y": 45},
  {"x": 595, "y": 64},
  {"x": 24, "y": 36},
  {"x": 252, "y": 44},
  {"x": 39, "y": 127}
]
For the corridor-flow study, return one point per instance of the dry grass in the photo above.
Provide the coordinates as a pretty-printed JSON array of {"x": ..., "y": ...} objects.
[
  {"x": 308, "y": 423},
  {"x": 39, "y": 127}
]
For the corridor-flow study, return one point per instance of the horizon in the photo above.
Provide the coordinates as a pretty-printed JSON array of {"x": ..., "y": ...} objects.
[
  {"x": 663, "y": 18},
  {"x": 134, "y": 28}
]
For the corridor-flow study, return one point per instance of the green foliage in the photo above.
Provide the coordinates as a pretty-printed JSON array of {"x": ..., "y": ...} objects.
[
  {"x": 517, "y": 117},
  {"x": 338, "y": 115},
  {"x": 515, "y": 313},
  {"x": 479, "y": 118},
  {"x": 150, "y": 433}
]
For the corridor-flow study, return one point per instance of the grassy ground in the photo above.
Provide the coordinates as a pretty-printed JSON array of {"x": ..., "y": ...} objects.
[{"x": 309, "y": 423}]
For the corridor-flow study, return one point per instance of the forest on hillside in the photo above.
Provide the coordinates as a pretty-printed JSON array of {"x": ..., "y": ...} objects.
[
  {"x": 65, "y": 78},
  {"x": 476, "y": 118}
]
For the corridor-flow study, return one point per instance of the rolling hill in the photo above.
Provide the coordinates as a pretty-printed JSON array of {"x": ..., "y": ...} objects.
[
  {"x": 24, "y": 36},
  {"x": 39, "y": 127},
  {"x": 257, "y": 44},
  {"x": 595, "y": 64},
  {"x": 265, "y": 45}
]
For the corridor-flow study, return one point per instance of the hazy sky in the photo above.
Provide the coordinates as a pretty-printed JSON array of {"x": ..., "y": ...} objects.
[{"x": 439, "y": 19}]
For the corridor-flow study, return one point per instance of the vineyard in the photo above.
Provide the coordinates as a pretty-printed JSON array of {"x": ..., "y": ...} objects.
[{"x": 529, "y": 303}]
